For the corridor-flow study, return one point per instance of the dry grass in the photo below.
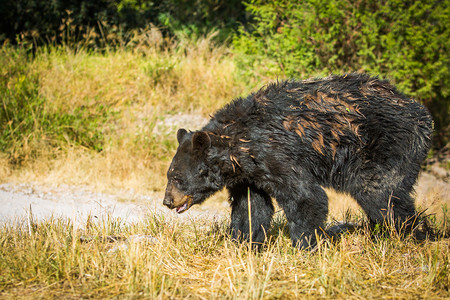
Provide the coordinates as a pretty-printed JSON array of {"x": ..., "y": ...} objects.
[
  {"x": 160, "y": 77},
  {"x": 167, "y": 259},
  {"x": 126, "y": 95}
]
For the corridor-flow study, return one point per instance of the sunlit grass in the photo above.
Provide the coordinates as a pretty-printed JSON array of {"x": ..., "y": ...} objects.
[
  {"x": 197, "y": 259},
  {"x": 101, "y": 116}
]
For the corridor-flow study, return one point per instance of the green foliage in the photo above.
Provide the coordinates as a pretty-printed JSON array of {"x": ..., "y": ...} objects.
[
  {"x": 45, "y": 21},
  {"x": 29, "y": 125},
  {"x": 199, "y": 17},
  {"x": 108, "y": 20},
  {"x": 406, "y": 41}
]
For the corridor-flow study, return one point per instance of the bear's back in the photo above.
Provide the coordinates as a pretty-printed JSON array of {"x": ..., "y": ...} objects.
[{"x": 354, "y": 114}]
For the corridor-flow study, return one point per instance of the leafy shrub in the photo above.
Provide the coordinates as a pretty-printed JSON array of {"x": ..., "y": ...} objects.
[
  {"x": 29, "y": 125},
  {"x": 406, "y": 41},
  {"x": 109, "y": 21}
]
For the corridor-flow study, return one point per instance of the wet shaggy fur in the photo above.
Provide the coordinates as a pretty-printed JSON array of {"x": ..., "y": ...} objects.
[{"x": 354, "y": 133}]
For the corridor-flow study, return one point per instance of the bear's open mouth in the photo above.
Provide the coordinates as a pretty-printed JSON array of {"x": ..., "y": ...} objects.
[{"x": 185, "y": 206}]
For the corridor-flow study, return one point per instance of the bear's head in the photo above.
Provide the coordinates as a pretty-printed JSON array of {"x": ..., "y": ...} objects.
[{"x": 190, "y": 178}]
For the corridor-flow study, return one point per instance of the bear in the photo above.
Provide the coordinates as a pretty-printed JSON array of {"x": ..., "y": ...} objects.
[{"x": 353, "y": 133}]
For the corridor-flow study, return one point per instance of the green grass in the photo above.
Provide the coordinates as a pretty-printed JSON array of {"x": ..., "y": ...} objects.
[{"x": 52, "y": 259}]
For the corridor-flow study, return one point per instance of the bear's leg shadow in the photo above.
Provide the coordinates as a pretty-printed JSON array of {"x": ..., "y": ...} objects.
[
  {"x": 306, "y": 209},
  {"x": 262, "y": 212}
]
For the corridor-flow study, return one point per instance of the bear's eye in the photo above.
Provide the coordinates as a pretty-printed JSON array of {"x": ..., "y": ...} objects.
[{"x": 176, "y": 179}]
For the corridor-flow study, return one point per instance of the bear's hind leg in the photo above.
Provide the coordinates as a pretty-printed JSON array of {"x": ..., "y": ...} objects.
[
  {"x": 262, "y": 212},
  {"x": 386, "y": 201},
  {"x": 306, "y": 209}
]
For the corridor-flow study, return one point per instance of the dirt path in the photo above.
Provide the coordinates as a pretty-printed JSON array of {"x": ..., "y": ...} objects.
[{"x": 77, "y": 203}]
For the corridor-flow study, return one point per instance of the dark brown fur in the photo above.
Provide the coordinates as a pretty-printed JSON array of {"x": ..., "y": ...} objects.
[{"x": 353, "y": 133}]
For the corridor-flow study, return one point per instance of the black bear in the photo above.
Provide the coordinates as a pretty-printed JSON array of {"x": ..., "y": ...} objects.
[{"x": 354, "y": 133}]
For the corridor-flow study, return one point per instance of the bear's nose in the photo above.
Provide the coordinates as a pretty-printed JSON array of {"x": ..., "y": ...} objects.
[{"x": 168, "y": 200}]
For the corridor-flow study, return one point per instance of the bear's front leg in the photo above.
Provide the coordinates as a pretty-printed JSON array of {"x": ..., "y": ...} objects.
[
  {"x": 306, "y": 209},
  {"x": 261, "y": 213}
]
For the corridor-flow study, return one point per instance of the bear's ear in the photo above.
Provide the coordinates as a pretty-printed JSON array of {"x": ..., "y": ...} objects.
[
  {"x": 181, "y": 134},
  {"x": 201, "y": 141}
]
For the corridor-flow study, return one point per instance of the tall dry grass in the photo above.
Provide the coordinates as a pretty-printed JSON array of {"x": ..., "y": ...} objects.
[
  {"x": 167, "y": 259},
  {"x": 124, "y": 97}
]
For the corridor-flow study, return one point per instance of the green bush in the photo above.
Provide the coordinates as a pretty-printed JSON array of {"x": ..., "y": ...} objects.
[
  {"x": 29, "y": 125},
  {"x": 111, "y": 21},
  {"x": 405, "y": 41}
]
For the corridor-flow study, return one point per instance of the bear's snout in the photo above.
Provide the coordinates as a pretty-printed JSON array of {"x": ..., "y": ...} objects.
[
  {"x": 168, "y": 200},
  {"x": 174, "y": 198},
  {"x": 169, "y": 197}
]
